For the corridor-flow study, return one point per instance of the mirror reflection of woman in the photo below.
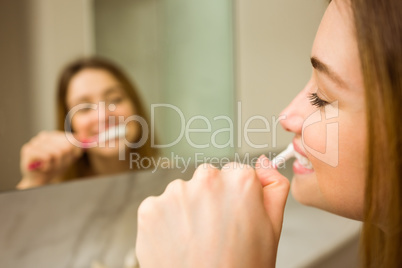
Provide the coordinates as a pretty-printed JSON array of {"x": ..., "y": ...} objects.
[
  {"x": 233, "y": 217},
  {"x": 88, "y": 83}
]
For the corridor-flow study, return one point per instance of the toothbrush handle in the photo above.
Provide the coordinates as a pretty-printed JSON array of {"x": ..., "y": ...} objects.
[{"x": 283, "y": 156}]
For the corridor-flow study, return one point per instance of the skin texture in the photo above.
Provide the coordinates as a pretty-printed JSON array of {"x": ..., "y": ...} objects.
[
  {"x": 54, "y": 151},
  {"x": 338, "y": 189},
  {"x": 225, "y": 218}
]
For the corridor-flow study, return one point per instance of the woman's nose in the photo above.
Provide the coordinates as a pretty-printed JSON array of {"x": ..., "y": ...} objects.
[{"x": 297, "y": 111}]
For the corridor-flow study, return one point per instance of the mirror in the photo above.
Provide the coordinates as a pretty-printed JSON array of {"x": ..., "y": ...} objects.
[
  {"x": 227, "y": 59},
  {"x": 178, "y": 53}
]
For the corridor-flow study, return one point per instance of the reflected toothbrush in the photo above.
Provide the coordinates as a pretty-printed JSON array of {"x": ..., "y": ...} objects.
[{"x": 109, "y": 134}]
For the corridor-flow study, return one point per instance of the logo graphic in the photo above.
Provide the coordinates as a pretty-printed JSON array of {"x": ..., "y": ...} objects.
[{"x": 331, "y": 154}]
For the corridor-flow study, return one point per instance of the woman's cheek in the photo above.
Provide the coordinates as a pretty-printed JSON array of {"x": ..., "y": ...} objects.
[
  {"x": 79, "y": 127},
  {"x": 321, "y": 141},
  {"x": 339, "y": 173},
  {"x": 314, "y": 139},
  {"x": 133, "y": 125},
  {"x": 321, "y": 148}
]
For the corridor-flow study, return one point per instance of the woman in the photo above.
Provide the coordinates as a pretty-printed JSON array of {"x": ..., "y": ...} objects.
[
  {"x": 226, "y": 219},
  {"x": 93, "y": 95}
]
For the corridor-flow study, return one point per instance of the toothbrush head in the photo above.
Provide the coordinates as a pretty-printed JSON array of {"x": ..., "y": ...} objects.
[{"x": 111, "y": 133}]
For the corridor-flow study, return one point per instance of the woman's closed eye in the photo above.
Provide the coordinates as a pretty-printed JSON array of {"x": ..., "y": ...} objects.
[
  {"x": 115, "y": 100},
  {"x": 85, "y": 107},
  {"x": 317, "y": 101}
]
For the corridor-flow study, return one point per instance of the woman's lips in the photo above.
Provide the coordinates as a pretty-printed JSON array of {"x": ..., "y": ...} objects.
[
  {"x": 298, "y": 168},
  {"x": 302, "y": 164},
  {"x": 297, "y": 149}
]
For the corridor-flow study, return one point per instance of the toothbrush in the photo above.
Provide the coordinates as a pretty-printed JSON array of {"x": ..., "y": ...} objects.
[
  {"x": 285, "y": 155},
  {"x": 104, "y": 136},
  {"x": 112, "y": 133}
]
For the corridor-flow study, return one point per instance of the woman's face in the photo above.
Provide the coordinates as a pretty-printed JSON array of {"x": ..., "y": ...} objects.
[
  {"x": 91, "y": 87},
  {"x": 329, "y": 121}
]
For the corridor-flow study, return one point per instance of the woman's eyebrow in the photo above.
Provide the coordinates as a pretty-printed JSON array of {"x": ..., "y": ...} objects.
[
  {"x": 86, "y": 99},
  {"x": 112, "y": 89},
  {"x": 325, "y": 69}
]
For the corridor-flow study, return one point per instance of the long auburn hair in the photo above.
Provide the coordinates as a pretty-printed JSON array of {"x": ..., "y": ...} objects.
[
  {"x": 378, "y": 26},
  {"x": 79, "y": 168}
]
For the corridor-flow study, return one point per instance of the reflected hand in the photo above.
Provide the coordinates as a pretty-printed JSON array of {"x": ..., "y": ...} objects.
[
  {"x": 53, "y": 153},
  {"x": 220, "y": 218}
]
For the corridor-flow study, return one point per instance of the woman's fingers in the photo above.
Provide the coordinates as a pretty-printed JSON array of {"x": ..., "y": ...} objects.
[
  {"x": 52, "y": 150},
  {"x": 275, "y": 189},
  {"x": 218, "y": 213},
  {"x": 46, "y": 156}
]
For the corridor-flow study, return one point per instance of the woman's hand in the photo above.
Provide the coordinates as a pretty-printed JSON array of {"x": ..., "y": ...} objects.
[
  {"x": 220, "y": 218},
  {"x": 52, "y": 152}
]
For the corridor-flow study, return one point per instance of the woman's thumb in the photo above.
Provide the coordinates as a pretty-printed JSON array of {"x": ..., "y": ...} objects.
[{"x": 275, "y": 190}]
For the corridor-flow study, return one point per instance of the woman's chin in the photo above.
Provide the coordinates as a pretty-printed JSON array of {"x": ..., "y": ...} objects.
[{"x": 304, "y": 189}]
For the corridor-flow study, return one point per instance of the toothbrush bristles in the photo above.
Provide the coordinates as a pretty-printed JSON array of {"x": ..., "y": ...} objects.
[{"x": 112, "y": 133}]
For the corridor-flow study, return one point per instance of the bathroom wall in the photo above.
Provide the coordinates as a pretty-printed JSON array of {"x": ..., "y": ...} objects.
[
  {"x": 273, "y": 44},
  {"x": 180, "y": 52},
  {"x": 37, "y": 38},
  {"x": 59, "y": 31},
  {"x": 198, "y": 74},
  {"x": 15, "y": 122},
  {"x": 129, "y": 32}
]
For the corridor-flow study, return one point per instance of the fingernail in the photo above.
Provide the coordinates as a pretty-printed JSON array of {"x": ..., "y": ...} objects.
[{"x": 34, "y": 165}]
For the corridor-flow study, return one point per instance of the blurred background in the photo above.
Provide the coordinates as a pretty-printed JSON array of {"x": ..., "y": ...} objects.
[{"x": 212, "y": 58}]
